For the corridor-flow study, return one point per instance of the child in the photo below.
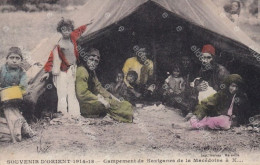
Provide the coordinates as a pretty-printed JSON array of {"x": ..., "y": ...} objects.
[
  {"x": 11, "y": 74},
  {"x": 62, "y": 63},
  {"x": 209, "y": 91},
  {"x": 174, "y": 88},
  {"x": 175, "y": 83},
  {"x": 120, "y": 89},
  {"x": 94, "y": 99},
  {"x": 202, "y": 95},
  {"x": 234, "y": 12},
  {"x": 131, "y": 78},
  {"x": 224, "y": 108}
]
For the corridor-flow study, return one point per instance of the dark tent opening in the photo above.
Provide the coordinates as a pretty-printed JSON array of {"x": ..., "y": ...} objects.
[{"x": 168, "y": 36}]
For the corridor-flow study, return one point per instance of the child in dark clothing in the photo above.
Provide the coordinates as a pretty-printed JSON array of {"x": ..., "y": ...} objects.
[
  {"x": 118, "y": 88},
  {"x": 131, "y": 78},
  {"x": 121, "y": 91}
]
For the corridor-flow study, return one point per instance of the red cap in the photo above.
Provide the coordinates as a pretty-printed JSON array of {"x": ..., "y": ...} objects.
[{"x": 208, "y": 49}]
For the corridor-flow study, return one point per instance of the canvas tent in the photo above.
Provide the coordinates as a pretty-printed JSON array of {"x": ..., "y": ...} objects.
[{"x": 169, "y": 28}]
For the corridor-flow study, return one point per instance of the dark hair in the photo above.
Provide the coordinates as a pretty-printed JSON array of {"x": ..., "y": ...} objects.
[
  {"x": 133, "y": 73},
  {"x": 65, "y": 23},
  {"x": 146, "y": 49},
  {"x": 176, "y": 67},
  {"x": 118, "y": 71},
  {"x": 93, "y": 52},
  {"x": 239, "y": 6},
  {"x": 197, "y": 81}
]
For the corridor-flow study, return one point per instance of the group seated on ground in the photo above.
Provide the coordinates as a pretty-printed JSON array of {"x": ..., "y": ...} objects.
[
  {"x": 209, "y": 97},
  {"x": 204, "y": 101}
]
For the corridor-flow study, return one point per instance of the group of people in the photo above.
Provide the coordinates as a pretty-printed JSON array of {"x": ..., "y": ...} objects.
[
  {"x": 209, "y": 98},
  {"x": 78, "y": 88}
]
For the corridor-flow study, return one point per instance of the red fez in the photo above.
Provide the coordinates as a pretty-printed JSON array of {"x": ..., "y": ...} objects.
[{"x": 208, "y": 49}]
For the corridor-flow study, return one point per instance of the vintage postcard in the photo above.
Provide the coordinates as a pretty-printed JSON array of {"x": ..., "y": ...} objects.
[{"x": 129, "y": 82}]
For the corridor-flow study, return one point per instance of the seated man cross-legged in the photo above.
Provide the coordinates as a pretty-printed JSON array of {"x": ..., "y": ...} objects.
[{"x": 95, "y": 100}]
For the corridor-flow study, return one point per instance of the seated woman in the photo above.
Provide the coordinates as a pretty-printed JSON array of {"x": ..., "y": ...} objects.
[
  {"x": 143, "y": 66},
  {"x": 94, "y": 100},
  {"x": 223, "y": 109}
]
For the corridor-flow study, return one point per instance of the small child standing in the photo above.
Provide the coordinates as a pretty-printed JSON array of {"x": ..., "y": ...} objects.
[
  {"x": 62, "y": 63},
  {"x": 174, "y": 88},
  {"x": 174, "y": 84},
  {"x": 11, "y": 76}
]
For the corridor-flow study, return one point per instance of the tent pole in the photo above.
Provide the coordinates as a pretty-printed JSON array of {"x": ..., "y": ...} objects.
[
  {"x": 154, "y": 48},
  {"x": 154, "y": 59}
]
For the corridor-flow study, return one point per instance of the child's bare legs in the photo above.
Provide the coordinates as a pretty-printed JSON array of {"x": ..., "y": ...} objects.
[{"x": 17, "y": 124}]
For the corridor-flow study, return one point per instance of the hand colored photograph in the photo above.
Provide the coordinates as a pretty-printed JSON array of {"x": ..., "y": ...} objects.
[{"x": 129, "y": 82}]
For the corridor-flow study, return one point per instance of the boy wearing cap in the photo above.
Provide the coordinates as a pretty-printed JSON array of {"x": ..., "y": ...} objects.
[
  {"x": 12, "y": 74},
  {"x": 94, "y": 100},
  {"x": 62, "y": 63}
]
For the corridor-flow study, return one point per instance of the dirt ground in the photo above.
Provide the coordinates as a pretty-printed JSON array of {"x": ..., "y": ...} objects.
[{"x": 156, "y": 130}]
